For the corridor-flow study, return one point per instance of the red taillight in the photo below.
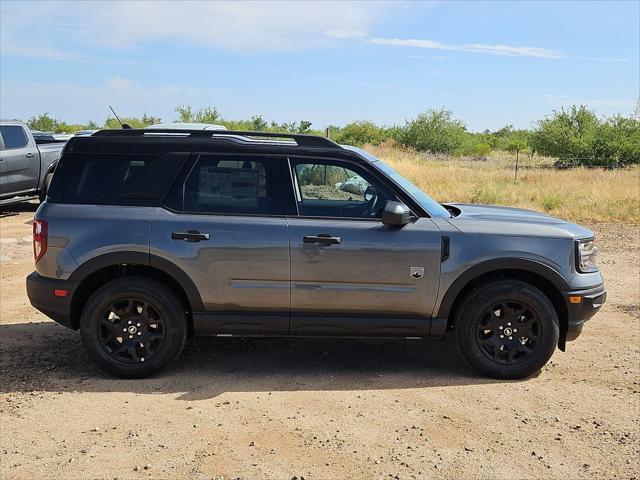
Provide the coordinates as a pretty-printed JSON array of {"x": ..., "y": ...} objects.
[{"x": 39, "y": 239}]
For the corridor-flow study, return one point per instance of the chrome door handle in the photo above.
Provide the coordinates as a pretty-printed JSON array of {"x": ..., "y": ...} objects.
[
  {"x": 29, "y": 155},
  {"x": 321, "y": 238},
  {"x": 190, "y": 236}
]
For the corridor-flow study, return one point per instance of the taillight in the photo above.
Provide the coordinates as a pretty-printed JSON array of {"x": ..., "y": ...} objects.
[{"x": 39, "y": 239}]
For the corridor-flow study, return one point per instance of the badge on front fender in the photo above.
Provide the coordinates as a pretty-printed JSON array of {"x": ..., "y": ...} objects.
[{"x": 416, "y": 272}]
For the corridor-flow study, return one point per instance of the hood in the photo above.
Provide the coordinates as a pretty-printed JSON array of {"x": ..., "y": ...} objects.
[{"x": 495, "y": 220}]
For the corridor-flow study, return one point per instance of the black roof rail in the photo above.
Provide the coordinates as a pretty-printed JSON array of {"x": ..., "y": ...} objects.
[{"x": 300, "y": 139}]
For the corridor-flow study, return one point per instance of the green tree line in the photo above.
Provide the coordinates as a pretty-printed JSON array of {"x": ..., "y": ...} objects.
[{"x": 574, "y": 136}]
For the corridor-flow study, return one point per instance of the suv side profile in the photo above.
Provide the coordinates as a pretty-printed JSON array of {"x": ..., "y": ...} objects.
[{"x": 148, "y": 238}]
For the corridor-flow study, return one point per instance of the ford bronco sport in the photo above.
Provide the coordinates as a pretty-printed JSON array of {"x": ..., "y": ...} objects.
[{"x": 149, "y": 237}]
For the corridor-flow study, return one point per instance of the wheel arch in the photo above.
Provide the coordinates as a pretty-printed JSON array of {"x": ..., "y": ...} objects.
[
  {"x": 99, "y": 270},
  {"x": 541, "y": 276}
]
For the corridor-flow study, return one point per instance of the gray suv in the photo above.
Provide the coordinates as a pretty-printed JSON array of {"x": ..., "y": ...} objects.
[{"x": 150, "y": 237}]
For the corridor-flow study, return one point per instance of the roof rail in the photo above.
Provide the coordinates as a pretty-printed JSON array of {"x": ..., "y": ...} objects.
[{"x": 301, "y": 140}]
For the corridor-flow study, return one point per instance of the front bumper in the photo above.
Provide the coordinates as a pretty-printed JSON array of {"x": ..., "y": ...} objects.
[
  {"x": 581, "y": 306},
  {"x": 45, "y": 294}
]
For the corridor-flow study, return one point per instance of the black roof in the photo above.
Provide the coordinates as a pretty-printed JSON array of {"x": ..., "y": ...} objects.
[{"x": 157, "y": 141}]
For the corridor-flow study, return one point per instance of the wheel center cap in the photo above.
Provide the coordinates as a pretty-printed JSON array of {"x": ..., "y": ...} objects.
[
  {"x": 132, "y": 329},
  {"x": 508, "y": 331}
]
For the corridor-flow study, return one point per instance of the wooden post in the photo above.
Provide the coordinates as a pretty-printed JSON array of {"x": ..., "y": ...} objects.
[
  {"x": 327, "y": 132},
  {"x": 515, "y": 178}
]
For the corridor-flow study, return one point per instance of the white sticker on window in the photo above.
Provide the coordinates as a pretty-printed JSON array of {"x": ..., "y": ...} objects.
[{"x": 227, "y": 186}]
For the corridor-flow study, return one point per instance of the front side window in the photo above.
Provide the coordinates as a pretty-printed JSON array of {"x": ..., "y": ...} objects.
[
  {"x": 13, "y": 136},
  {"x": 338, "y": 189},
  {"x": 247, "y": 185}
]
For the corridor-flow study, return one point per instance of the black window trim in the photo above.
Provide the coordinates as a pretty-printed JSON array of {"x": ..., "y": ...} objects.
[{"x": 398, "y": 192}]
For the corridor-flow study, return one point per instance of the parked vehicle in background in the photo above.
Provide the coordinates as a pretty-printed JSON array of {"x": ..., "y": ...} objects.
[
  {"x": 148, "y": 237},
  {"x": 27, "y": 162},
  {"x": 186, "y": 126},
  {"x": 84, "y": 133}
]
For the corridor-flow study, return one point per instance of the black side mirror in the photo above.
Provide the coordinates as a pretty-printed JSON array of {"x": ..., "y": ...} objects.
[{"x": 396, "y": 214}]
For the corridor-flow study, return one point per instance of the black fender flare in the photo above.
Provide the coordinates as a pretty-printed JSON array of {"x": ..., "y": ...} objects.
[
  {"x": 141, "y": 258},
  {"x": 495, "y": 265}
]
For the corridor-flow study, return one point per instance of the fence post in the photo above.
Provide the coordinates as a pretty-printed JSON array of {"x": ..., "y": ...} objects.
[
  {"x": 327, "y": 132},
  {"x": 515, "y": 178}
]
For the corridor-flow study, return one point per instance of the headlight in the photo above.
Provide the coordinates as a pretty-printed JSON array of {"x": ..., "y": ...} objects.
[{"x": 586, "y": 251}]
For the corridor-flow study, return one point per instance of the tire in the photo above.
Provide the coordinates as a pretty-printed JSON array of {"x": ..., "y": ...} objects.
[
  {"x": 515, "y": 310},
  {"x": 154, "y": 320},
  {"x": 45, "y": 187}
]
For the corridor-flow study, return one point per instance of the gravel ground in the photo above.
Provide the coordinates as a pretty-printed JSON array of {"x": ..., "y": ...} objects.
[{"x": 287, "y": 408}]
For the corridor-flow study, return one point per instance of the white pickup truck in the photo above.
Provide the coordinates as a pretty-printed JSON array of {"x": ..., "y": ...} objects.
[{"x": 27, "y": 163}]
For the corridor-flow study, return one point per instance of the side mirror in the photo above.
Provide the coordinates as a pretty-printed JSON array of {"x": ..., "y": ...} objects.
[{"x": 396, "y": 214}]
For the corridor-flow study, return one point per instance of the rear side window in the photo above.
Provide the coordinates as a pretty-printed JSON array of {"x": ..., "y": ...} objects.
[
  {"x": 13, "y": 136},
  {"x": 119, "y": 179},
  {"x": 233, "y": 185}
]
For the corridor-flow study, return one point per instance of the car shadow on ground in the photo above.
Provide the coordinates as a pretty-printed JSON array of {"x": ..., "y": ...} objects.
[
  {"x": 16, "y": 208},
  {"x": 47, "y": 357}
]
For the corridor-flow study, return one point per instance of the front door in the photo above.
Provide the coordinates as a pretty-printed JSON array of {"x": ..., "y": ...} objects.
[
  {"x": 226, "y": 229},
  {"x": 19, "y": 161},
  {"x": 350, "y": 273}
]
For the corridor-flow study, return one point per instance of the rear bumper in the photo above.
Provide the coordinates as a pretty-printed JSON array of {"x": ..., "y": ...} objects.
[
  {"x": 590, "y": 301},
  {"x": 42, "y": 295}
]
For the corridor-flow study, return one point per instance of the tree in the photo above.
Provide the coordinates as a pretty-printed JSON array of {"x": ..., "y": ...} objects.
[
  {"x": 43, "y": 122},
  {"x": 434, "y": 131},
  {"x": 185, "y": 115}
]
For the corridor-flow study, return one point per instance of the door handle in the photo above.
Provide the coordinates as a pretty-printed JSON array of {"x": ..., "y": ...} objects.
[
  {"x": 322, "y": 238},
  {"x": 190, "y": 236},
  {"x": 29, "y": 155}
]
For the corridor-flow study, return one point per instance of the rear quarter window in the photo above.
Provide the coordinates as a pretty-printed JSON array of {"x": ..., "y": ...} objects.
[{"x": 116, "y": 179}]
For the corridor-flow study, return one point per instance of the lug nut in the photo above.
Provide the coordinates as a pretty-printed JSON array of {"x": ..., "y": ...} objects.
[
  {"x": 510, "y": 338},
  {"x": 129, "y": 322},
  {"x": 130, "y": 336},
  {"x": 515, "y": 329},
  {"x": 139, "y": 333},
  {"x": 138, "y": 324},
  {"x": 500, "y": 327},
  {"x": 508, "y": 324},
  {"x": 501, "y": 336},
  {"x": 124, "y": 329}
]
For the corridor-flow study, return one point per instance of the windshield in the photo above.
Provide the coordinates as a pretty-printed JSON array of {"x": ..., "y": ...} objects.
[{"x": 425, "y": 201}]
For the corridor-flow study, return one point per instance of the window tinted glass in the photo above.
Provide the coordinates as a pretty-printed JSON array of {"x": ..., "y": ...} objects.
[
  {"x": 116, "y": 179},
  {"x": 335, "y": 189},
  {"x": 220, "y": 184},
  {"x": 14, "y": 136}
]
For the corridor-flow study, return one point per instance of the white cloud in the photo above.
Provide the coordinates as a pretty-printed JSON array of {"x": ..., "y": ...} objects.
[
  {"x": 244, "y": 27},
  {"x": 509, "y": 50}
]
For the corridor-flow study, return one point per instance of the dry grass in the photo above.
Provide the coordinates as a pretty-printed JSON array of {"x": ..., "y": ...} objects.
[{"x": 579, "y": 195}]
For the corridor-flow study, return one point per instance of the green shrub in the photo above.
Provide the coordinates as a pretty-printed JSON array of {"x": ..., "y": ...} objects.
[
  {"x": 551, "y": 202},
  {"x": 577, "y": 137},
  {"x": 360, "y": 133},
  {"x": 434, "y": 131}
]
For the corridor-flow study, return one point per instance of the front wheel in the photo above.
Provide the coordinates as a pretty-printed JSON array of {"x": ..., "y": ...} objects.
[
  {"x": 507, "y": 329},
  {"x": 133, "y": 327}
]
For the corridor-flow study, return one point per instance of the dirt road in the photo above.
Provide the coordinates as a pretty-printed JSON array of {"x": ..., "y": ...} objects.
[{"x": 319, "y": 408}]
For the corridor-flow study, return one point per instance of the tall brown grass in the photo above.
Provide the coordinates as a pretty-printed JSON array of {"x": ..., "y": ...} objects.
[{"x": 577, "y": 194}]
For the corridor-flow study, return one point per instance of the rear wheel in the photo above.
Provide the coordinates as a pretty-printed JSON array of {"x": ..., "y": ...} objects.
[
  {"x": 133, "y": 327},
  {"x": 45, "y": 187},
  {"x": 507, "y": 329}
]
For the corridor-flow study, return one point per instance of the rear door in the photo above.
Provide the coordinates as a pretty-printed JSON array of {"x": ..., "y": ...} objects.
[
  {"x": 224, "y": 225},
  {"x": 350, "y": 273},
  {"x": 20, "y": 160}
]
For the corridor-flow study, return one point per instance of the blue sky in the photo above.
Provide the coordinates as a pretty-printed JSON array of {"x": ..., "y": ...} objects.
[{"x": 491, "y": 63}]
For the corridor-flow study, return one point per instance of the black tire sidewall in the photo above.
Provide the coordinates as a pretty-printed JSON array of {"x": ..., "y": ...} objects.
[
  {"x": 148, "y": 289},
  {"x": 482, "y": 298}
]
